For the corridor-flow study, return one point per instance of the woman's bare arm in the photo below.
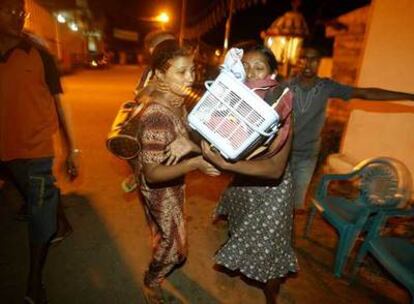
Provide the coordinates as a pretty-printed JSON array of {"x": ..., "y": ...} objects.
[{"x": 265, "y": 168}]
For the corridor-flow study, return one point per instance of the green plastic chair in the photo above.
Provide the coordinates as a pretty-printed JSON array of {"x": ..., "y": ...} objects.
[
  {"x": 396, "y": 254},
  {"x": 383, "y": 182}
]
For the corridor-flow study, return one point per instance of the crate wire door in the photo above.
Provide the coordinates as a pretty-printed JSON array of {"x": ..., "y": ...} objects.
[{"x": 232, "y": 117}]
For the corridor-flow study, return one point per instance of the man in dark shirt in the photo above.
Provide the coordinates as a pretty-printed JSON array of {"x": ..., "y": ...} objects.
[
  {"x": 311, "y": 95},
  {"x": 30, "y": 113}
]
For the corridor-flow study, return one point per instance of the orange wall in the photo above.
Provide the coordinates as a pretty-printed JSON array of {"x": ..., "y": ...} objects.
[
  {"x": 388, "y": 58},
  {"x": 42, "y": 23},
  {"x": 69, "y": 47}
]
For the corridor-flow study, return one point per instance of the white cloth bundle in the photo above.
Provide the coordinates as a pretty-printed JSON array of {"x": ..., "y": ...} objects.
[{"x": 232, "y": 63}]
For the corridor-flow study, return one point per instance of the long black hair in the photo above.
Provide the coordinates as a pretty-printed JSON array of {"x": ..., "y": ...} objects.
[{"x": 167, "y": 50}]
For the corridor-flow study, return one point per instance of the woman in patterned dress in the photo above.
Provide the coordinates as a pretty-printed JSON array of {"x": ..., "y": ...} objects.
[
  {"x": 164, "y": 140},
  {"x": 258, "y": 203}
]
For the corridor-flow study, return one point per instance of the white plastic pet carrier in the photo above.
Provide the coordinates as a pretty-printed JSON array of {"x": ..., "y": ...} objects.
[{"x": 233, "y": 118}]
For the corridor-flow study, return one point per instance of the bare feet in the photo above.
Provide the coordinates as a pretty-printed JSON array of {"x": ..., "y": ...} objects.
[{"x": 153, "y": 295}]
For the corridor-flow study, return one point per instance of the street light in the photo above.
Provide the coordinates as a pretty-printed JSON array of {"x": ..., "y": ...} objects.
[
  {"x": 60, "y": 18},
  {"x": 163, "y": 18},
  {"x": 73, "y": 26}
]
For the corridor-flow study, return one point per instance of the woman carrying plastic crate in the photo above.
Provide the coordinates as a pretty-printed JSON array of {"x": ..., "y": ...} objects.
[
  {"x": 164, "y": 139},
  {"x": 258, "y": 203}
]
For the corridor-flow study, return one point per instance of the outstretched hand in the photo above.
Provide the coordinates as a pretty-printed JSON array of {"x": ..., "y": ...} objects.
[{"x": 178, "y": 149}]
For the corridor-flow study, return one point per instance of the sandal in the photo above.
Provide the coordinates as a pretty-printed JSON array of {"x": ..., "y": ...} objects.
[{"x": 129, "y": 184}]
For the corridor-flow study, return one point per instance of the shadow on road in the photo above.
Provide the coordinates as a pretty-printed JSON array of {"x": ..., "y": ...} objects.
[
  {"x": 85, "y": 268},
  {"x": 190, "y": 289}
]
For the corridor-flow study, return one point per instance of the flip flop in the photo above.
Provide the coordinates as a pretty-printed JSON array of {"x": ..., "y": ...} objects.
[{"x": 128, "y": 186}]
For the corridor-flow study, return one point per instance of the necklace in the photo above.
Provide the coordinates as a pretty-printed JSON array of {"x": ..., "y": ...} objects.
[{"x": 305, "y": 95}]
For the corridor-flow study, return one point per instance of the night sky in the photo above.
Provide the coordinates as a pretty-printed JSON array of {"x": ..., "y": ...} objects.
[{"x": 246, "y": 25}]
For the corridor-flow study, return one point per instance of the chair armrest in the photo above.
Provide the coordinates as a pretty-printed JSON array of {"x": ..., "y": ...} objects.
[
  {"x": 397, "y": 212},
  {"x": 322, "y": 188},
  {"x": 382, "y": 216}
]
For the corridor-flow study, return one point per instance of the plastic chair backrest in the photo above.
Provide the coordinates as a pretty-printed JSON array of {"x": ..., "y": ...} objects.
[{"x": 384, "y": 182}]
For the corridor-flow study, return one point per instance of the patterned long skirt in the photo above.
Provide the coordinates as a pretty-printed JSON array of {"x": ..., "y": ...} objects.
[
  {"x": 260, "y": 228},
  {"x": 165, "y": 214}
]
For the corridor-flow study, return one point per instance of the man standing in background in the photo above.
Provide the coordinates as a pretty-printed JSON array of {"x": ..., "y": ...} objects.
[
  {"x": 30, "y": 113},
  {"x": 311, "y": 94}
]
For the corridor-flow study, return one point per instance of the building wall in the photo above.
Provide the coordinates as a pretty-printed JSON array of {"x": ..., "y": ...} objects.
[
  {"x": 348, "y": 49},
  {"x": 379, "y": 54},
  {"x": 42, "y": 24},
  {"x": 325, "y": 67},
  {"x": 69, "y": 47},
  {"x": 348, "y": 45},
  {"x": 375, "y": 50},
  {"x": 388, "y": 57}
]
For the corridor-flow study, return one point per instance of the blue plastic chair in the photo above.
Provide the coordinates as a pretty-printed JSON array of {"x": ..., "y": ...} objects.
[
  {"x": 383, "y": 182},
  {"x": 396, "y": 254}
]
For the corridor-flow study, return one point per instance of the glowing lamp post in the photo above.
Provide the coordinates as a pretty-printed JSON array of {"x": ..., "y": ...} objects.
[
  {"x": 73, "y": 27},
  {"x": 61, "y": 18},
  {"x": 163, "y": 18},
  {"x": 285, "y": 37}
]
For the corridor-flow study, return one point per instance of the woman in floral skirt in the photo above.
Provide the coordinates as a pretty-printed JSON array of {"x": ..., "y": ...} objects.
[{"x": 258, "y": 203}]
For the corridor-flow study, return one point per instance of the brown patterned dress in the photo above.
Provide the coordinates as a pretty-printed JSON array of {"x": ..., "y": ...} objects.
[{"x": 163, "y": 202}]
